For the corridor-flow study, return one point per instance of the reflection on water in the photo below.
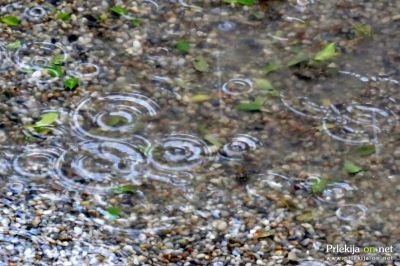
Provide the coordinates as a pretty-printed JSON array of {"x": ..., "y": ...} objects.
[{"x": 197, "y": 118}]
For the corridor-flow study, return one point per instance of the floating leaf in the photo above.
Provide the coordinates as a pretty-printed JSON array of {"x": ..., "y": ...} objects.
[
  {"x": 327, "y": 53},
  {"x": 119, "y": 10},
  {"x": 351, "y": 168},
  {"x": 365, "y": 150},
  {"x": 271, "y": 67},
  {"x": 113, "y": 212},
  {"x": 10, "y": 20},
  {"x": 124, "y": 189},
  {"x": 14, "y": 45},
  {"x": 64, "y": 16},
  {"x": 199, "y": 98},
  {"x": 200, "y": 64},
  {"x": 71, "y": 83}
]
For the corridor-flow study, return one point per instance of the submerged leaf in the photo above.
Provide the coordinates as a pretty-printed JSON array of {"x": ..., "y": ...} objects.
[
  {"x": 351, "y": 168},
  {"x": 271, "y": 67},
  {"x": 14, "y": 45},
  {"x": 71, "y": 83},
  {"x": 46, "y": 120},
  {"x": 182, "y": 46},
  {"x": 365, "y": 150},
  {"x": 119, "y": 10},
  {"x": 265, "y": 85},
  {"x": 124, "y": 189},
  {"x": 114, "y": 212},
  {"x": 10, "y": 20},
  {"x": 260, "y": 233},
  {"x": 136, "y": 22},
  {"x": 255, "y": 106},
  {"x": 200, "y": 64},
  {"x": 199, "y": 98},
  {"x": 363, "y": 30},
  {"x": 210, "y": 138},
  {"x": 64, "y": 16},
  {"x": 241, "y": 2},
  {"x": 318, "y": 186},
  {"x": 327, "y": 53}
]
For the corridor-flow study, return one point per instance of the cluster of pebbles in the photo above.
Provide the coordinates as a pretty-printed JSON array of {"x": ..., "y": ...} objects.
[{"x": 150, "y": 162}]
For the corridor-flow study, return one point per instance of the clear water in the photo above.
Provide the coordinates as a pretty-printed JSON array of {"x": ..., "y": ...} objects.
[{"x": 134, "y": 122}]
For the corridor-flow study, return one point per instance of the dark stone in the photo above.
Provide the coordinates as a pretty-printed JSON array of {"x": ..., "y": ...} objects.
[
  {"x": 55, "y": 2},
  {"x": 91, "y": 21},
  {"x": 73, "y": 38}
]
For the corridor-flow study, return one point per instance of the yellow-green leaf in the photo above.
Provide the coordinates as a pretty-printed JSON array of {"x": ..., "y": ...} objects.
[
  {"x": 10, "y": 20},
  {"x": 199, "y": 98},
  {"x": 327, "y": 53},
  {"x": 200, "y": 64},
  {"x": 351, "y": 168},
  {"x": 46, "y": 119}
]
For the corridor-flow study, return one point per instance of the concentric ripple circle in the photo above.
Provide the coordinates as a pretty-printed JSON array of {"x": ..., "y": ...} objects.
[
  {"x": 179, "y": 152},
  {"x": 359, "y": 124},
  {"x": 38, "y": 55},
  {"x": 35, "y": 13},
  {"x": 239, "y": 146},
  {"x": 97, "y": 166},
  {"x": 269, "y": 185},
  {"x": 237, "y": 87},
  {"x": 304, "y": 107},
  {"x": 36, "y": 162},
  {"x": 112, "y": 117},
  {"x": 351, "y": 212}
]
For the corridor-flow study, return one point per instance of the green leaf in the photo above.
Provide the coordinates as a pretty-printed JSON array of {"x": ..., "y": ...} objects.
[
  {"x": 14, "y": 45},
  {"x": 119, "y": 10},
  {"x": 200, "y": 64},
  {"x": 46, "y": 119},
  {"x": 71, "y": 83},
  {"x": 351, "y": 168},
  {"x": 255, "y": 106},
  {"x": 365, "y": 150},
  {"x": 136, "y": 22},
  {"x": 114, "y": 212},
  {"x": 10, "y": 20},
  {"x": 327, "y": 53},
  {"x": 266, "y": 86},
  {"x": 124, "y": 189},
  {"x": 318, "y": 186},
  {"x": 55, "y": 71},
  {"x": 271, "y": 67},
  {"x": 183, "y": 46},
  {"x": 242, "y": 2},
  {"x": 64, "y": 16}
]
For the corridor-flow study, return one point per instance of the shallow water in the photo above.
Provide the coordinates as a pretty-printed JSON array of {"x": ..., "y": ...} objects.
[{"x": 134, "y": 151}]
